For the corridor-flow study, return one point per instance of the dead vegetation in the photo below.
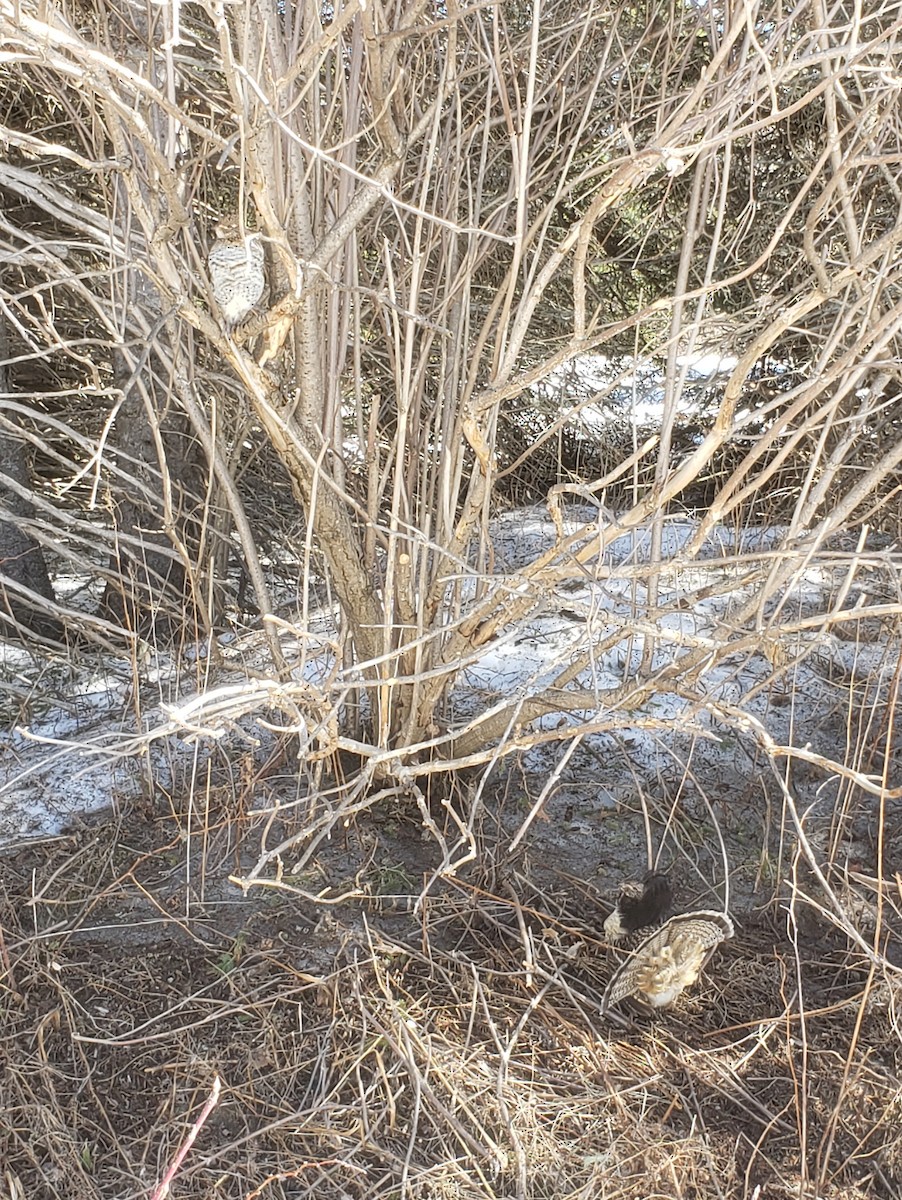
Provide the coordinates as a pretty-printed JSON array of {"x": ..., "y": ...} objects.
[
  {"x": 365, "y": 1051},
  {"x": 286, "y": 540}
]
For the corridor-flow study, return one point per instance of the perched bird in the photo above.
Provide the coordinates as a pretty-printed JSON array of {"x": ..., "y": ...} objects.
[
  {"x": 669, "y": 961},
  {"x": 238, "y": 272},
  {"x": 640, "y": 908}
]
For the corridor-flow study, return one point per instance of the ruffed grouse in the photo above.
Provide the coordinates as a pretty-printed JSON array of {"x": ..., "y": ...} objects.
[{"x": 238, "y": 272}]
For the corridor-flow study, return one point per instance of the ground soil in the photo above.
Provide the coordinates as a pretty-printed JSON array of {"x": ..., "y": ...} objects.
[{"x": 373, "y": 1047}]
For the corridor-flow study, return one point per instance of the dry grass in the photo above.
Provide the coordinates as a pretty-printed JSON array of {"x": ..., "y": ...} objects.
[{"x": 368, "y": 1052}]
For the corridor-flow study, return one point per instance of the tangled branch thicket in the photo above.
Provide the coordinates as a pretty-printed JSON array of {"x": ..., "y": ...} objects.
[
  {"x": 462, "y": 205},
  {"x": 455, "y": 203}
]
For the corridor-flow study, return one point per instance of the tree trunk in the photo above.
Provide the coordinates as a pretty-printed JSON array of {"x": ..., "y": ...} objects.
[
  {"x": 24, "y": 578},
  {"x": 155, "y": 512}
]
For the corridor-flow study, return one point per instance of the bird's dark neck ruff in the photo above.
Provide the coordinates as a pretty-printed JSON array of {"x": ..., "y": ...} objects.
[{"x": 640, "y": 906}]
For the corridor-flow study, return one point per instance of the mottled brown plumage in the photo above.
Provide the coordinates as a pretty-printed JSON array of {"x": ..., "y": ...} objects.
[
  {"x": 669, "y": 961},
  {"x": 237, "y": 271}
]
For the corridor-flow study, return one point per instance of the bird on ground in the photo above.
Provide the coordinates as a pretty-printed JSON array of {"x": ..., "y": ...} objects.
[
  {"x": 640, "y": 909},
  {"x": 668, "y": 961},
  {"x": 237, "y": 268}
]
